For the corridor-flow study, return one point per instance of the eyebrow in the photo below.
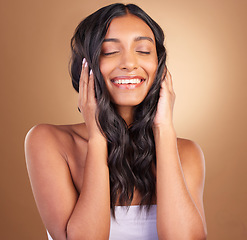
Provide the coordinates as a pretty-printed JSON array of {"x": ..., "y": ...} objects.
[
  {"x": 111, "y": 40},
  {"x": 144, "y": 38},
  {"x": 136, "y": 39}
]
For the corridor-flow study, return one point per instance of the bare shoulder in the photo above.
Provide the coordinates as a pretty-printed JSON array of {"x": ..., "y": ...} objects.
[
  {"x": 190, "y": 151},
  {"x": 193, "y": 164},
  {"x": 68, "y": 141},
  {"x": 56, "y": 146},
  {"x": 62, "y": 137},
  {"x": 58, "y": 130}
]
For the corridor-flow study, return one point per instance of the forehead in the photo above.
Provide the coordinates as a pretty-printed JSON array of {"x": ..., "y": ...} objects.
[{"x": 128, "y": 25}]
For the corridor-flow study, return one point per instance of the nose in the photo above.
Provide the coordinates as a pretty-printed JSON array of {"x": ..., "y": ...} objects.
[{"x": 128, "y": 61}]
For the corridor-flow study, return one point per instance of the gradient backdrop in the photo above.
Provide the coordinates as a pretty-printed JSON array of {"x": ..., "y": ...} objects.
[{"x": 206, "y": 43}]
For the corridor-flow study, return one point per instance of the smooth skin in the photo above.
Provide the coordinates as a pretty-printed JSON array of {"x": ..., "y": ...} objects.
[{"x": 67, "y": 164}]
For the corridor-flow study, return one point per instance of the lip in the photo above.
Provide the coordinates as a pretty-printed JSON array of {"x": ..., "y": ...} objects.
[{"x": 128, "y": 86}]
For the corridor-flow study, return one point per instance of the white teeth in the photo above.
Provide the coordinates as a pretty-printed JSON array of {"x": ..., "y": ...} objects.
[{"x": 128, "y": 81}]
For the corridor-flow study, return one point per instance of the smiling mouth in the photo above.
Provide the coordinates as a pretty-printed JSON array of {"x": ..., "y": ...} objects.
[{"x": 127, "y": 82}]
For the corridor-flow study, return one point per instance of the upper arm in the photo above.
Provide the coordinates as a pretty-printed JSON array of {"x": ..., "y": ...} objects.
[
  {"x": 50, "y": 178},
  {"x": 193, "y": 165}
]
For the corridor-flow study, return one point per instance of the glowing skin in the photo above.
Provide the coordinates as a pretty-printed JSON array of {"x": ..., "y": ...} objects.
[{"x": 128, "y": 61}]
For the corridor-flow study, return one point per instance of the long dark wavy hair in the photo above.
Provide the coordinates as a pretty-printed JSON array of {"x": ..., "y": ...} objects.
[{"x": 131, "y": 149}]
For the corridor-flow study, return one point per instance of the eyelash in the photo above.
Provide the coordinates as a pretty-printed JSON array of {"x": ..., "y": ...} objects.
[
  {"x": 143, "y": 52},
  {"x": 110, "y": 53}
]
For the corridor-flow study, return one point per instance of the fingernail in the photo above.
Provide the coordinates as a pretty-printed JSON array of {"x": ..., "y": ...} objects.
[
  {"x": 90, "y": 72},
  {"x": 83, "y": 61},
  {"x": 86, "y": 64}
]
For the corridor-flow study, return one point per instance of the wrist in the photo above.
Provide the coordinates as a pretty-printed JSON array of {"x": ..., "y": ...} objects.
[
  {"x": 97, "y": 137},
  {"x": 97, "y": 145},
  {"x": 164, "y": 130},
  {"x": 162, "y": 127},
  {"x": 94, "y": 132}
]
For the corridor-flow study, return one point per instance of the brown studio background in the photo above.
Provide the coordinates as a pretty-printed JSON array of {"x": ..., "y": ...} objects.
[{"x": 206, "y": 43}]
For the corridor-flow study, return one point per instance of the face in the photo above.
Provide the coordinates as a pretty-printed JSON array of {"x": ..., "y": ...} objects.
[{"x": 128, "y": 60}]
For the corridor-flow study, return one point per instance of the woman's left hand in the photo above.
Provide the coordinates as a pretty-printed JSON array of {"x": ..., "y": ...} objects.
[{"x": 164, "y": 114}]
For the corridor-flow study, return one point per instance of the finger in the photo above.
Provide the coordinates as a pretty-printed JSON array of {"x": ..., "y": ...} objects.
[
  {"x": 81, "y": 83},
  {"x": 81, "y": 76},
  {"x": 164, "y": 73},
  {"x": 80, "y": 86},
  {"x": 164, "y": 88},
  {"x": 85, "y": 83},
  {"x": 91, "y": 91},
  {"x": 169, "y": 81}
]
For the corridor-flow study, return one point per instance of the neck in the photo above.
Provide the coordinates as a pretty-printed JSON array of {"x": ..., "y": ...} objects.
[{"x": 126, "y": 113}]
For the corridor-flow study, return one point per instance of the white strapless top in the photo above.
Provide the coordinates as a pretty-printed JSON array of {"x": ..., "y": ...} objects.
[{"x": 132, "y": 224}]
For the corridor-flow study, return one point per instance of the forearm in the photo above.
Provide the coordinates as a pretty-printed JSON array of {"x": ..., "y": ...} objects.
[
  {"x": 91, "y": 216},
  {"x": 177, "y": 214}
]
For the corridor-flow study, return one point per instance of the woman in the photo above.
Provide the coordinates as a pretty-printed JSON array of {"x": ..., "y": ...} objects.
[{"x": 126, "y": 153}]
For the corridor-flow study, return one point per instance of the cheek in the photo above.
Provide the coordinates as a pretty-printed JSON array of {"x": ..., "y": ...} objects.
[
  {"x": 103, "y": 68},
  {"x": 106, "y": 68},
  {"x": 151, "y": 68}
]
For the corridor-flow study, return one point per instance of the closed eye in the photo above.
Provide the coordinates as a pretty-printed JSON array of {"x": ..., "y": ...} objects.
[
  {"x": 109, "y": 53},
  {"x": 143, "y": 52}
]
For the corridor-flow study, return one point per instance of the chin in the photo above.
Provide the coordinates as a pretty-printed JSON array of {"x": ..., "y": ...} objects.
[{"x": 127, "y": 102}]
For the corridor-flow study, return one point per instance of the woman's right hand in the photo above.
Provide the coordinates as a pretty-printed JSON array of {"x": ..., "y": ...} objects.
[{"x": 87, "y": 102}]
